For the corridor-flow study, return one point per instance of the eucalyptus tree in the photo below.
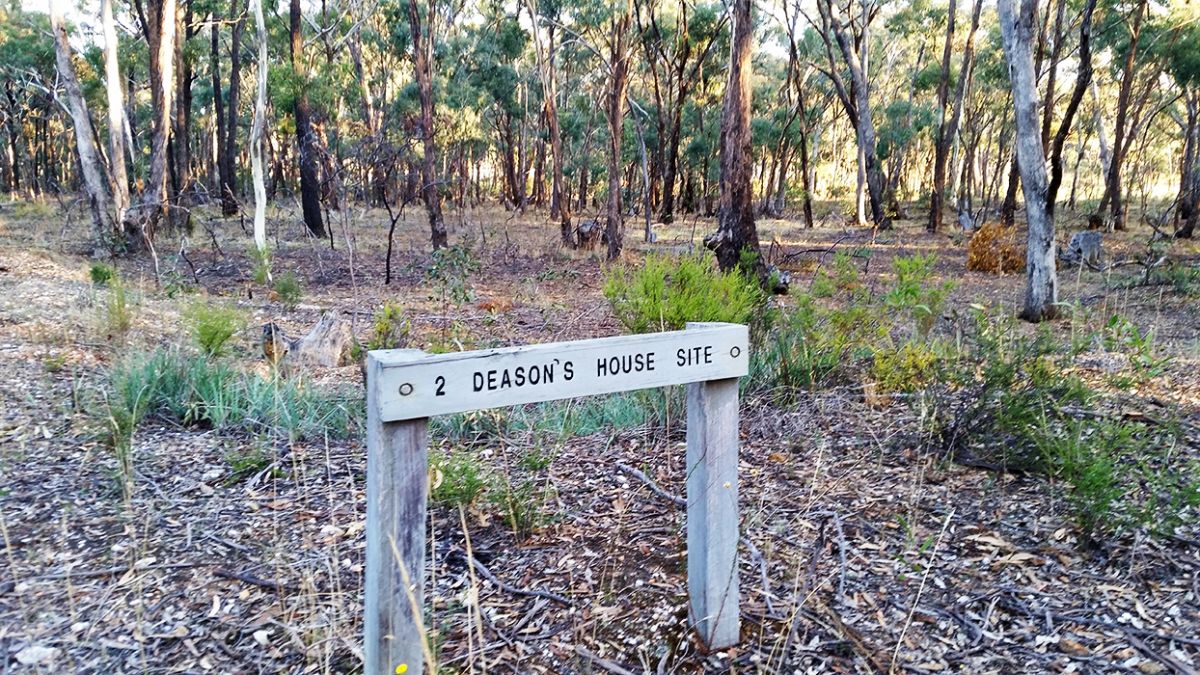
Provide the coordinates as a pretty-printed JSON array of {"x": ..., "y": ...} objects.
[
  {"x": 116, "y": 115},
  {"x": 95, "y": 185},
  {"x": 423, "y": 34},
  {"x": 852, "y": 39},
  {"x": 948, "y": 126},
  {"x": 1017, "y": 25},
  {"x": 736, "y": 232},
  {"x": 158, "y": 23},
  {"x": 306, "y": 137}
]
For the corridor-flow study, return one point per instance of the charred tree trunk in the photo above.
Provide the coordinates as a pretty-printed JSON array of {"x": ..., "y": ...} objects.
[{"x": 306, "y": 135}]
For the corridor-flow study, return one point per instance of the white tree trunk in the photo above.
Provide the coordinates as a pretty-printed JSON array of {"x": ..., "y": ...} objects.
[
  {"x": 89, "y": 159},
  {"x": 1019, "y": 32},
  {"x": 256, "y": 133},
  {"x": 116, "y": 114}
]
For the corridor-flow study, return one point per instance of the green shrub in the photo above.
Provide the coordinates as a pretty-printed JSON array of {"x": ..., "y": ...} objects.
[
  {"x": 118, "y": 313},
  {"x": 667, "y": 292},
  {"x": 102, "y": 273},
  {"x": 262, "y": 265},
  {"x": 459, "y": 477},
  {"x": 389, "y": 328},
  {"x": 815, "y": 346},
  {"x": 913, "y": 295},
  {"x": 288, "y": 288},
  {"x": 213, "y": 325},
  {"x": 909, "y": 368}
]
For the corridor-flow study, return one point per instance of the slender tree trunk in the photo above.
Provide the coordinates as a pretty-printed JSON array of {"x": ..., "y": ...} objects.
[
  {"x": 256, "y": 130},
  {"x": 160, "y": 15},
  {"x": 183, "y": 104},
  {"x": 949, "y": 128},
  {"x": 560, "y": 203},
  {"x": 1112, "y": 192},
  {"x": 94, "y": 182},
  {"x": 306, "y": 135},
  {"x": 736, "y": 231},
  {"x": 116, "y": 116},
  {"x": 422, "y": 55},
  {"x": 1017, "y": 30},
  {"x": 615, "y": 112},
  {"x": 227, "y": 120},
  {"x": 864, "y": 126},
  {"x": 1083, "y": 78}
]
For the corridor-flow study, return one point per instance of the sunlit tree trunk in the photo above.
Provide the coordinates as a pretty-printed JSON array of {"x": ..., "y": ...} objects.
[
  {"x": 94, "y": 183},
  {"x": 256, "y": 130},
  {"x": 1017, "y": 30},
  {"x": 949, "y": 128},
  {"x": 1112, "y": 193},
  {"x": 116, "y": 115}
]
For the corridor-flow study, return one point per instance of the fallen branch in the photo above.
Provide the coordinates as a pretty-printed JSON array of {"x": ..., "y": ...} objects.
[
  {"x": 603, "y": 664},
  {"x": 649, "y": 482},
  {"x": 276, "y": 586},
  {"x": 508, "y": 588}
]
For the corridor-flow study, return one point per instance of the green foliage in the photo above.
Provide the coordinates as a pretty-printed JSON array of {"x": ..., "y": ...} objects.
[
  {"x": 244, "y": 463},
  {"x": 912, "y": 293},
  {"x": 389, "y": 330},
  {"x": 213, "y": 325},
  {"x": 176, "y": 386},
  {"x": 102, "y": 273},
  {"x": 288, "y": 288},
  {"x": 1122, "y": 335},
  {"x": 458, "y": 477},
  {"x": 262, "y": 265},
  {"x": 908, "y": 368},
  {"x": 667, "y": 292},
  {"x": 1012, "y": 404},
  {"x": 118, "y": 313},
  {"x": 816, "y": 346}
]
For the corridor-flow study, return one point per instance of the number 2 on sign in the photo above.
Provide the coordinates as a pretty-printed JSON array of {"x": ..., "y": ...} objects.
[{"x": 441, "y": 386}]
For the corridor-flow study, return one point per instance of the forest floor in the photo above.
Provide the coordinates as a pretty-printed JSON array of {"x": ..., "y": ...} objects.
[{"x": 234, "y": 551}]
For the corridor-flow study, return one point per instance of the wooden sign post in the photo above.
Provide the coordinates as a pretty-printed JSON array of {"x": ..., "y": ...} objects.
[{"x": 405, "y": 387}]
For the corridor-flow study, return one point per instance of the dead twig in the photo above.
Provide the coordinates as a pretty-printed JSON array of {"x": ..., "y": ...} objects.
[
  {"x": 508, "y": 588},
  {"x": 603, "y": 664},
  {"x": 277, "y": 586}
]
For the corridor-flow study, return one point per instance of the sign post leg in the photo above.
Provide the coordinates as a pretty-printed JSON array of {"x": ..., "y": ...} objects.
[
  {"x": 712, "y": 510},
  {"x": 397, "y": 487}
]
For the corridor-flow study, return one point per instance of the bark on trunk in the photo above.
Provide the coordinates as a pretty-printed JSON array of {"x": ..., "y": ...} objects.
[
  {"x": 306, "y": 136},
  {"x": 116, "y": 116},
  {"x": 1017, "y": 30},
  {"x": 1083, "y": 78},
  {"x": 615, "y": 112},
  {"x": 1112, "y": 193},
  {"x": 949, "y": 129},
  {"x": 160, "y": 26},
  {"x": 256, "y": 130},
  {"x": 89, "y": 158},
  {"x": 736, "y": 231},
  {"x": 422, "y": 52}
]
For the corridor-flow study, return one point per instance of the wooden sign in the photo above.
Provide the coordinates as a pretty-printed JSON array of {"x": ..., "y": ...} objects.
[
  {"x": 406, "y": 387},
  {"x": 448, "y": 383}
]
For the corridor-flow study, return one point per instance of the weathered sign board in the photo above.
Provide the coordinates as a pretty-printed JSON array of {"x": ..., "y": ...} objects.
[{"x": 406, "y": 387}]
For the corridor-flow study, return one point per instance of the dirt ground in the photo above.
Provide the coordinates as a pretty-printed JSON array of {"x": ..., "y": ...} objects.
[{"x": 868, "y": 555}]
